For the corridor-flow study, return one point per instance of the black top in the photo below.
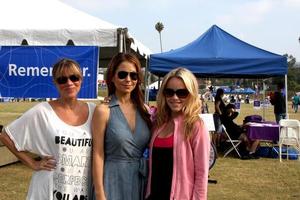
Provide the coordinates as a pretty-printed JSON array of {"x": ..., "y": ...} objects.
[
  {"x": 162, "y": 170},
  {"x": 279, "y": 103},
  {"x": 232, "y": 128},
  {"x": 222, "y": 104}
]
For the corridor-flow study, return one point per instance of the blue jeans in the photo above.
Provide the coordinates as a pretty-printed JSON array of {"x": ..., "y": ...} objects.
[
  {"x": 295, "y": 106},
  {"x": 279, "y": 116}
]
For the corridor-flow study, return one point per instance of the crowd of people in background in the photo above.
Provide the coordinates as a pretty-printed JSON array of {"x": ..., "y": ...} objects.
[{"x": 228, "y": 97}]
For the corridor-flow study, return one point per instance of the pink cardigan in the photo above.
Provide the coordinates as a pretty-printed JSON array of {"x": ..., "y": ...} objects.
[{"x": 190, "y": 162}]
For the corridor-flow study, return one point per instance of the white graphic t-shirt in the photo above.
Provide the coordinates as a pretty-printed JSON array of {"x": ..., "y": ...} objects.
[{"x": 42, "y": 132}]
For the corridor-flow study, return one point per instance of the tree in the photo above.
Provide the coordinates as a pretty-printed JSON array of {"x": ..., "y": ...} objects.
[
  {"x": 293, "y": 75},
  {"x": 159, "y": 27},
  {"x": 291, "y": 60}
]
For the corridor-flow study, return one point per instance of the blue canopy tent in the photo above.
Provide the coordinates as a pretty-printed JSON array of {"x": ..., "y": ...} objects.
[
  {"x": 236, "y": 91},
  {"x": 249, "y": 91},
  {"x": 242, "y": 91},
  {"x": 216, "y": 53},
  {"x": 227, "y": 90}
]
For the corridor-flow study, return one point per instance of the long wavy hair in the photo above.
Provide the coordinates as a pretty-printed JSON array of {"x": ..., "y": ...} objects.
[
  {"x": 192, "y": 106},
  {"x": 219, "y": 94},
  {"x": 136, "y": 95}
]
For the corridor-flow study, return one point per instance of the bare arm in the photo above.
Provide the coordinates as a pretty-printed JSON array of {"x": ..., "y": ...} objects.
[
  {"x": 99, "y": 122},
  {"x": 46, "y": 163},
  {"x": 217, "y": 107}
]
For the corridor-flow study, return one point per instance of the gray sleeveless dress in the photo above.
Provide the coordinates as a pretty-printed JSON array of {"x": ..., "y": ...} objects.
[{"x": 124, "y": 166}]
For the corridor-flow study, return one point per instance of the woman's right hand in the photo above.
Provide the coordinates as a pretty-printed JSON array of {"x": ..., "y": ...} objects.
[
  {"x": 107, "y": 99},
  {"x": 46, "y": 163}
]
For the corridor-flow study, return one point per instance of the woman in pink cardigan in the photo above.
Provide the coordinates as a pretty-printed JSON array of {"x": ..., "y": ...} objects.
[{"x": 179, "y": 147}]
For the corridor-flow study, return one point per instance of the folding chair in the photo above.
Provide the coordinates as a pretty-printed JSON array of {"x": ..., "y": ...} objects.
[
  {"x": 289, "y": 136},
  {"x": 234, "y": 144}
]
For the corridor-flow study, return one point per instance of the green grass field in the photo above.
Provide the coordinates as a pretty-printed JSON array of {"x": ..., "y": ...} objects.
[{"x": 264, "y": 178}]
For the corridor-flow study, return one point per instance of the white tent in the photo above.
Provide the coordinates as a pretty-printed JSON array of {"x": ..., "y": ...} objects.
[
  {"x": 154, "y": 85},
  {"x": 51, "y": 22}
]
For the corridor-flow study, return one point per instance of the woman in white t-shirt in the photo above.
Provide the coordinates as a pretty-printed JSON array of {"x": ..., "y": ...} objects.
[{"x": 59, "y": 132}]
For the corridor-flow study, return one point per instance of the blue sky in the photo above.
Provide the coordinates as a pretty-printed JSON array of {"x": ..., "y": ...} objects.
[{"x": 273, "y": 25}]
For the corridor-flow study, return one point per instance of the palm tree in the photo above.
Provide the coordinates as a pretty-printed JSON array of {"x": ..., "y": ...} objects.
[{"x": 159, "y": 27}]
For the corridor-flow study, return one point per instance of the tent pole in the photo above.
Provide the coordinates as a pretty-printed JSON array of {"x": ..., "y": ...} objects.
[
  {"x": 286, "y": 96},
  {"x": 264, "y": 99},
  {"x": 124, "y": 40},
  {"x": 98, "y": 69},
  {"x": 120, "y": 33}
]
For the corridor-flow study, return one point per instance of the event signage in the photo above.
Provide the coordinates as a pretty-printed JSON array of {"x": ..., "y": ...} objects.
[
  {"x": 237, "y": 106},
  {"x": 265, "y": 103},
  {"x": 26, "y": 71},
  {"x": 256, "y": 104}
]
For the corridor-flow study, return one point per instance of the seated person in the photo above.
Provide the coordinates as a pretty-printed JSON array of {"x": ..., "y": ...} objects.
[
  {"x": 247, "y": 100},
  {"x": 232, "y": 99},
  {"x": 237, "y": 132}
]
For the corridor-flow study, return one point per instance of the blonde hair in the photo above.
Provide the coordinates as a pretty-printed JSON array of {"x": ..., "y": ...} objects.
[
  {"x": 63, "y": 64},
  {"x": 192, "y": 106}
]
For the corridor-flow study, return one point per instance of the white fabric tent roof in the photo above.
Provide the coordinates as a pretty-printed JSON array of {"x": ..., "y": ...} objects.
[
  {"x": 51, "y": 22},
  {"x": 154, "y": 85}
]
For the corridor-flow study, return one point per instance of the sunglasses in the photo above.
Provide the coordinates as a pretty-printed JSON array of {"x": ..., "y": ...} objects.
[
  {"x": 123, "y": 75},
  {"x": 180, "y": 93},
  {"x": 64, "y": 79}
]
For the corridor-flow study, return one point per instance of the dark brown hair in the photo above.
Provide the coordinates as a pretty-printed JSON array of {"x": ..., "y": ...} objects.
[{"x": 136, "y": 95}]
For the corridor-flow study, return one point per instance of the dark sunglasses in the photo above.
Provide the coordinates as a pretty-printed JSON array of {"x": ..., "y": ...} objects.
[
  {"x": 64, "y": 79},
  {"x": 180, "y": 93},
  {"x": 123, "y": 75}
]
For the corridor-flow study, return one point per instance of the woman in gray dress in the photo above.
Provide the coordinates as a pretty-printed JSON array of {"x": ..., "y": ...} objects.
[{"x": 121, "y": 133}]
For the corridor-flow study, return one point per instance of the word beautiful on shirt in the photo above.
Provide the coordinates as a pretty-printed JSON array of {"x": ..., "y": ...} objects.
[{"x": 79, "y": 142}]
